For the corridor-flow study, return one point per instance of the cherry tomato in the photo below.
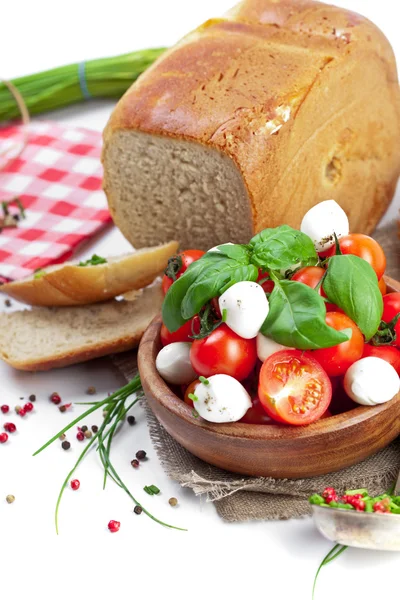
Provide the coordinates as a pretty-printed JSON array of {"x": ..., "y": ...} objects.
[
  {"x": 365, "y": 247},
  {"x": 391, "y": 308},
  {"x": 382, "y": 286},
  {"x": 191, "y": 390},
  {"x": 294, "y": 388},
  {"x": 178, "y": 264},
  {"x": 183, "y": 334},
  {"x": 256, "y": 415},
  {"x": 388, "y": 353},
  {"x": 223, "y": 351},
  {"x": 268, "y": 285},
  {"x": 311, "y": 276},
  {"x": 337, "y": 359}
]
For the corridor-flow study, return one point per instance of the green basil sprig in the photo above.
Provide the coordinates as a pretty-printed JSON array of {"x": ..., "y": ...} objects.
[
  {"x": 296, "y": 318},
  {"x": 282, "y": 248},
  {"x": 351, "y": 283}
]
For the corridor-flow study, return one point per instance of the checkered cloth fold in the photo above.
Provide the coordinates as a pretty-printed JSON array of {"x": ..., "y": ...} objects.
[{"x": 58, "y": 179}]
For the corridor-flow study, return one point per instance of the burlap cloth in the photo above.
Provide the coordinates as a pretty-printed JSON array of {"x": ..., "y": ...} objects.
[{"x": 239, "y": 498}]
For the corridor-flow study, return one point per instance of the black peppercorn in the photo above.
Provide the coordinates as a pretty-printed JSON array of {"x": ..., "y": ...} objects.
[
  {"x": 95, "y": 428},
  {"x": 84, "y": 428},
  {"x": 32, "y": 398},
  {"x": 7, "y": 303},
  {"x": 138, "y": 509},
  {"x": 66, "y": 445},
  {"x": 91, "y": 390},
  {"x": 140, "y": 454},
  {"x": 131, "y": 420}
]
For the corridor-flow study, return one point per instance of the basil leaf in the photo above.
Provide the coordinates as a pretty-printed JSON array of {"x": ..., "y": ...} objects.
[
  {"x": 238, "y": 252},
  {"x": 171, "y": 309},
  {"x": 213, "y": 281},
  {"x": 296, "y": 318},
  {"x": 351, "y": 283},
  {"x": 282, "y": 248}
]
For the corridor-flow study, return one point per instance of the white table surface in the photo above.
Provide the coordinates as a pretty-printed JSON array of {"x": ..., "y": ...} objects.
[{"x": 213, "y": 559}]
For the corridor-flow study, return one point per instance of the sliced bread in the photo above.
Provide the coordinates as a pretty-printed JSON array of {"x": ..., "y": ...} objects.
[
  {"x": 71, "y": 284},
  {"x": 46, "y": 338}
]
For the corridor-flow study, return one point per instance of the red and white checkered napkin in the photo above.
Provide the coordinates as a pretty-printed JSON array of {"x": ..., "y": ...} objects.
[{"x": 58, "y": 180}]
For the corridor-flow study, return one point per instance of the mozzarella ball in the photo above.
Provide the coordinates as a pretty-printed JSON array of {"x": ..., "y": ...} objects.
[
  {"x": 222, "y": 399},
  {"x": 266, "y": 346},
  {"x": 173, "y": 363},
  {"x": 215, "y": 248},
  {"x": 371, "y": 381},
  {"x": 322, "y": 221},
  {"x": 246, "y": 308}
]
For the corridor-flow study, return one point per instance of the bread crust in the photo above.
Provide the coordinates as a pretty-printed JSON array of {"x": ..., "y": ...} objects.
[
  {"x": 302, "y": 96},
  {"x": 72, "y": 285}
]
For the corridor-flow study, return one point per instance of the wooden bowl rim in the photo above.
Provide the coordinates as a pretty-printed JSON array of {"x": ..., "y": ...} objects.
[{"x": 163, "y": 394}]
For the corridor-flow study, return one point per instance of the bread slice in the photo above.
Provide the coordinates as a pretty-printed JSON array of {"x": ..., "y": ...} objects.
[
  {"x": 70, "y": 284},
  {"x": 45, "y": 338},
  {"x": 253, "y": 119}
]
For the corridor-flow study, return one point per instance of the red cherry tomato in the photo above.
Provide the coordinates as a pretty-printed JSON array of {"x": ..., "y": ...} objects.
[
  {"x": 382, "y": 286},
  {"x": 183, "y": 334},
  {"x": 268, "y": 285},
  {"x": 365, "y": 247},
  {"x": 191, "y": 388},
  {"x": 223, "y": 351},
  {"x": 293, "y": 388},
  {"x": 311, "y": 276},
  {"x": 256, "y": 415},
  {"x": 178, "y": 265},
  {"x": 388, "y": 353},
  {"x": 337, "y": 359},
  {"x": 391, "y": 308}
]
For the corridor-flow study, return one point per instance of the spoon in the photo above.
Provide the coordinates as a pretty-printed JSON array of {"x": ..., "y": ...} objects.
[{"x": 374, "y": 531}]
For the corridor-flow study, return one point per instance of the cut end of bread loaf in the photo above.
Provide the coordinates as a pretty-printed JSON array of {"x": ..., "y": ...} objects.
[
  {"x": 158, "y": 187},
  {"x": 46, "y": 338}
]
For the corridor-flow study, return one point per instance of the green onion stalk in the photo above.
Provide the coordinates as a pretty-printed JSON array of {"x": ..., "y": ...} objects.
[{"x": 63, "y": 86}]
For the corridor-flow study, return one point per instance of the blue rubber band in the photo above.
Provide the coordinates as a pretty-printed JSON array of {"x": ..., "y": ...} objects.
[{"x": 82, "y": 81}]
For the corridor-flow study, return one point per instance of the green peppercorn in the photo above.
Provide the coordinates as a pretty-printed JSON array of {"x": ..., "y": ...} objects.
[
  {"x": 91, "y": 390},
  {"x": 173, "y": 501},
  {"x": 88, "y": 434},
  {"x": 10, "y": 498},
  {"x": 62, "y": 437}
]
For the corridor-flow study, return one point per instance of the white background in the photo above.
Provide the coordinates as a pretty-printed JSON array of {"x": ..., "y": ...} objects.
[{"x": 213, "y": 559}]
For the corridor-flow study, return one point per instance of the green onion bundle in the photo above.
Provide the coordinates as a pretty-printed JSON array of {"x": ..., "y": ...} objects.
[{"x": 100, "y": 78}]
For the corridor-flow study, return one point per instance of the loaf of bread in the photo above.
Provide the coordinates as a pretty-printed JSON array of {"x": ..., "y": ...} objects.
[
  {"x": 251, "y": 120},
  {"x": 71, "y": 284},
  {"x": 45, "y": 338}
]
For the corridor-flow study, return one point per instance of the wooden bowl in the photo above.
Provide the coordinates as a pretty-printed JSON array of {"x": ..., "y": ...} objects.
[{"x": 328, "y": 445}]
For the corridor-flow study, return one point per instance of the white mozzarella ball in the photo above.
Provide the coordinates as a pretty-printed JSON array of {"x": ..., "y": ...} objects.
[
  {"x": 173, "y": 363},
  {"x": 222, "y": 400},
  {"x": 322, "y": 221},
  {"x": 371, "y": 381},
  {"x": 266, "y": 346},
  {"x": 216, "y": 249},
  {"x": 246, "y": 308}
]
